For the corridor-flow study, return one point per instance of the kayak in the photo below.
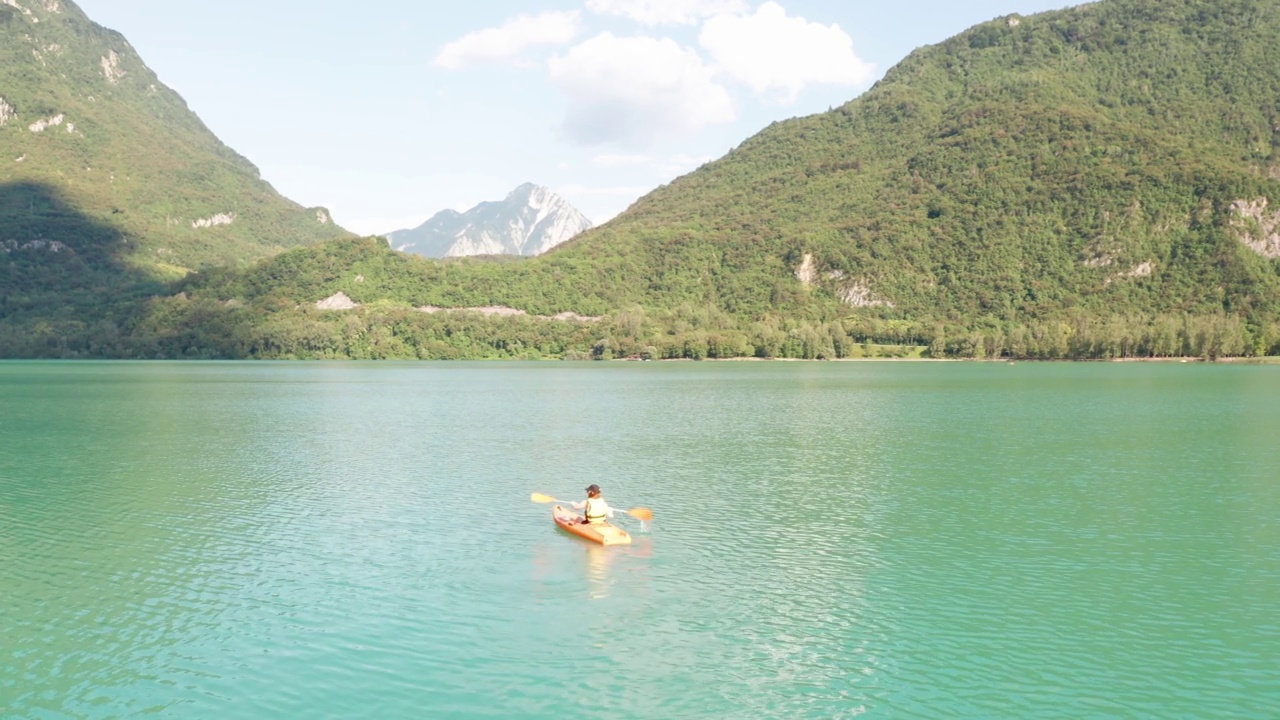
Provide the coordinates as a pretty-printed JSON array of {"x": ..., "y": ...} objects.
[{"x": 605, "y": 534}]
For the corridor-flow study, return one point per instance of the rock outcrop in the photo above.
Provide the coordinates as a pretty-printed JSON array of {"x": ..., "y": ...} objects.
[
  {"x": 1258, "y": 227},
  {"x": 530, "y": 221}
]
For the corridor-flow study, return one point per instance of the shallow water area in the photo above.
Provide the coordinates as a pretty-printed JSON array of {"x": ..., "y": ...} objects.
[{"x": 263, "y": 540}]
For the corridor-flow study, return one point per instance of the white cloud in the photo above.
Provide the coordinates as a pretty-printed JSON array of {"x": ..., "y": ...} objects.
[
  {"x": 628, "y": 191},
  {"x": 664, "y": 12},
  {"x": 638, "y": 90},
  {"x": 383, "y": 224},
  {"x": 665, "y": 166},
  {"x": 681, "y": 164},
  {"x": 515, "y": 36},
  {"x": 602, "y": 203},
  {"x": 615, "y": 160},
  {"x": 770, "y": 52}
]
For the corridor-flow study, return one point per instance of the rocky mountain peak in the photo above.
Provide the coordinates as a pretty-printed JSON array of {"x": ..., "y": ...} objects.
[{"x": 529, "y": 221}]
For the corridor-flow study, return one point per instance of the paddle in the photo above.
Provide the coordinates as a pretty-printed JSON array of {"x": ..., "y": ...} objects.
[{"x": 640, "y": 513}]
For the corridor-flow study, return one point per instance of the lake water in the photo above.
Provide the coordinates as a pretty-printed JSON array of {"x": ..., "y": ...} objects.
[{"x": 906, "y": 540}]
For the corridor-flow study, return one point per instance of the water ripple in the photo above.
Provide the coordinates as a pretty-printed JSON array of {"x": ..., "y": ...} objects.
[{"x": 831, "y": 541}]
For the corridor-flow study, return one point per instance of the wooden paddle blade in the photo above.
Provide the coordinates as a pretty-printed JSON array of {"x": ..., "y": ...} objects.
[
  {"x": 641, "y": 513},
  {"x": 540, "y": 498}
]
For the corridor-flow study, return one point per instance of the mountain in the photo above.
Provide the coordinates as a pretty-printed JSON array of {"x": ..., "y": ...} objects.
[
  {"x": 1118, "y": 157},
  {"x": 103, "y": 162},
  {"x": 1101, "y": 181},
  {"x": 530, "y": 221}
]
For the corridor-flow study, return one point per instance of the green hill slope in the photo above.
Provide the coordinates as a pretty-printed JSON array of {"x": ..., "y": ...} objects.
[
  {"x": 1095, "y": 182},
  {"x": 1095, "y": 158},
  {"x": 90, "y": 138}
]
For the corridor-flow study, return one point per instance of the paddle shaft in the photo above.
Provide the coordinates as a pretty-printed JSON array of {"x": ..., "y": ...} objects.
[{"x": 639, "y": 513}]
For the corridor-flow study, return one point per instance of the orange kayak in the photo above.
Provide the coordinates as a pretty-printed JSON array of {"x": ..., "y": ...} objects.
[{"x": 605, "y": 534}]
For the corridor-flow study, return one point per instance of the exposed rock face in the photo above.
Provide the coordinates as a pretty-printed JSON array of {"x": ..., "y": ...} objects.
[
  {"x": 807, "y": 273},
  {"x": 111, "y": 68},
  {"x": 1258, "y": 228},
  {"x": 501, "y": 311},
  {"x": 530, "y": 221},
  {"x": 14, "y": 4},
  {"x": 337, "y": 302},
  {"x": 854, "y": 294},
  {"x": 7, "y": 112},
  {"x": 219, "y": 219},
  {"x": 1143, "y": 270},
  {"x": 859, "y": 294},
  {"x": 1103, "y": 259},
  {"x": 53, "y": 246},
  {"x": 341, "y": 301},
  {"x": 42, "y": 125}
]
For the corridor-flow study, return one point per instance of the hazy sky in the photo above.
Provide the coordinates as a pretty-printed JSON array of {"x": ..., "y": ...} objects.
[{"x": 387, "y": 111}]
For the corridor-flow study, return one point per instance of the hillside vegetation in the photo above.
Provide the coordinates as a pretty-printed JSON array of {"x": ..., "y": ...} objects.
[
  {"x": 1102, "y": 181},
  {"x": 1091, "y": 159},
  {"x": 108, "y": 181}
]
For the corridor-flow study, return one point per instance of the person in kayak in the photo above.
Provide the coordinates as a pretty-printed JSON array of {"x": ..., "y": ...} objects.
[{"x": 596, "y": 510}]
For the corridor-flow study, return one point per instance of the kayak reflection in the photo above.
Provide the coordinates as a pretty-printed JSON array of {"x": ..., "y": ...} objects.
[
  {"x": 609, "y": 566},
  {"x": 599, "y": 559}
]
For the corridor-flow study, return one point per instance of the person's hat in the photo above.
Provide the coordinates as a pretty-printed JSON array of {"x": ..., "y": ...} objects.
[{"x": 593, "y": 489}]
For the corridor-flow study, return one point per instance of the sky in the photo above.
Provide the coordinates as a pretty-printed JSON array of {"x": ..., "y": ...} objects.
[{"x": 388, "y": 111}]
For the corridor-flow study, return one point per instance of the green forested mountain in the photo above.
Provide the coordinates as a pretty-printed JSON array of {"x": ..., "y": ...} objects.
[
  {"x": 1093, "y": 182},
  {"x": 1094, "y": 158},
  {"x": 108, "y": 182}
]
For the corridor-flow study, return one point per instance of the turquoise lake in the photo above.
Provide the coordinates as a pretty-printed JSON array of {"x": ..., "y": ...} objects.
[{"x": 831, "y": 540}]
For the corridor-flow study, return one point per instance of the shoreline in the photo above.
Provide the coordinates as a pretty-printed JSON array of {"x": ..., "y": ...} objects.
[{"x": 1266, "y": 360}]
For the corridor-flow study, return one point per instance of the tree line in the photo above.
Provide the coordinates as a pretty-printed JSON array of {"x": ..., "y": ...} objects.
[{"x": 183, "y": 327}]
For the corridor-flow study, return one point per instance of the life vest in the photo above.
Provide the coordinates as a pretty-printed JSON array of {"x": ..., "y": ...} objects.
[{"x": 596, "y": 510}]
